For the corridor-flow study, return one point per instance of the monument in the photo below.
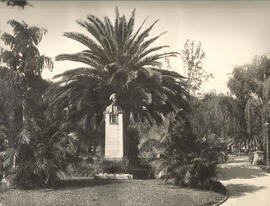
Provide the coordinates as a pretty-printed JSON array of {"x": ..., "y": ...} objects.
[
  {"x": 114, "y": 139},
  {"x": 114, "y": 148}
]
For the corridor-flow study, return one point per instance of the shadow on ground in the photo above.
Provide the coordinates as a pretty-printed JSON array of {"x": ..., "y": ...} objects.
[
  {"x": 68, "y": 184},
  {"x": 242, "y": 172},
  {"x": 236, "y": 190},
  {"x": 79, "y": 183},
  {"x": 237, "y": 160}
]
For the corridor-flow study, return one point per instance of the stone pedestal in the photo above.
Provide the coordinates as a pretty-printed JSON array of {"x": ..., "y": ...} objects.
[
  {"x": 114, "y": 148},
  {"x": 120, "y": 176},
  {"x": 257, "y": 157},
  {"x": 115, "y": 162}
]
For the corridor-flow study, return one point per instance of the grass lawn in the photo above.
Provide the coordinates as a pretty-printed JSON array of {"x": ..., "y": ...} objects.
[{"x": 80, "y": 192}]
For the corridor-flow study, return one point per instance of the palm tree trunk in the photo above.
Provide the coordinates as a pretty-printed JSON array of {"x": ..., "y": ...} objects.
[{"x": 126, "y": 122}]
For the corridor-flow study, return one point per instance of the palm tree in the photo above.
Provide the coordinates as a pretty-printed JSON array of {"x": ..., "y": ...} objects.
[{"x": 118, "y": 60}]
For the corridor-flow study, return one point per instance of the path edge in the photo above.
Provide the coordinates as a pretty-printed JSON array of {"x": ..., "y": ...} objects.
[{"x": 223, "y": 200}]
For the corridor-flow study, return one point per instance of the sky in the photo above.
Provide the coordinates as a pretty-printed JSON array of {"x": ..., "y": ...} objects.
[{"x": 231, "y": 32}]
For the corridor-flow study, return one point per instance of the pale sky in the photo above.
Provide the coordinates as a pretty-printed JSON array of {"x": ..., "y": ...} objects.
[{"x": 231, "y": 32}]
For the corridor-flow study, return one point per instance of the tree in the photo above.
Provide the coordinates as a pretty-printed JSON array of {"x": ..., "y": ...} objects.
[
  {"x": 24, "y": 65},
  {"x": 9, "y": 107},
  {"x": 19, "y": 3},
  {"x": 250, "y": 85},
  {"x": 22, "y": 68},
  {"x": 192, "y": 56},
  {"x": 118, "y": 60},
  {"x": 215, "y": 119}
]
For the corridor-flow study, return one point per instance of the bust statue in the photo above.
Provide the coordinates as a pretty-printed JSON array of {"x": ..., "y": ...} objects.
[{"x": 113, "y": 109}]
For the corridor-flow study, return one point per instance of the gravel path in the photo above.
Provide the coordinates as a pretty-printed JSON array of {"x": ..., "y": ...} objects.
[{"x": 247, "y": 185}]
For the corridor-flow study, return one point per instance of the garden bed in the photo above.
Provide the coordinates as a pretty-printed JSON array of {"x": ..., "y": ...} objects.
[{"x": 110, "y": 192}]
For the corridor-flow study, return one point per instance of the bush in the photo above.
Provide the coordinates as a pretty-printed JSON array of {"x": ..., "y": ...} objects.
[
  {"x": 142, "y": 172},
  {"x": 95, "y": 166},
  {"x": 199, "y": 174},
  {"x": 26, "y": 178},
  {"x": 179, "y": 174},
  {"x": 174, "y": 156},
  {"x": 87, "y": 167},
  {"x": 214, "y": 154},
  {"x": 114, "y": 166},
  {"x": 216, "y": 186},
  {"x": 40, "y": 158}
]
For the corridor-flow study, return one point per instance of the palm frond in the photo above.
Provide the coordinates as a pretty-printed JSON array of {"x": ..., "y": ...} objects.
[{"x": 79, "y": 57}]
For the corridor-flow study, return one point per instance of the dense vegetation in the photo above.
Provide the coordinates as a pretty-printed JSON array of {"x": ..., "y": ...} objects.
[{"x": 50, "y": 128}]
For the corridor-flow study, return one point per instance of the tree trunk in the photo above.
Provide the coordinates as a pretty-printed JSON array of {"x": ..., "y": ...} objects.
[{"x": 126, "y": 122}]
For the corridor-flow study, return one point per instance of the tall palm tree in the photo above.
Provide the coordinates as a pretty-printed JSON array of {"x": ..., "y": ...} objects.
[{"x": 118, "y": 60}]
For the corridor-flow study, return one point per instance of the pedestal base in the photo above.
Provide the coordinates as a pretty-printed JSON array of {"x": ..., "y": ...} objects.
[
  {"x": 120, "y": 176},
  {"x": 115, "y": 159}
]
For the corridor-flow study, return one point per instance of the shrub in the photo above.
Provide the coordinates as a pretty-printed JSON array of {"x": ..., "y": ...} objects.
[
  {"x": 114, "y": 166},
  {"x": 179, "y": 175},
  {"x": 216, "y": 186},
  {"x": 26, "y": 178},
  {"x": 142, "y": 172},
  {"x": 40, "y": 157},
  {"x": 87, "y": 167},
  {"x": 173, "y": 149},
  {"x": 213, "y": 153},
  {"x": 200, "y": 173},
  {"x": 174, "y": 156}
]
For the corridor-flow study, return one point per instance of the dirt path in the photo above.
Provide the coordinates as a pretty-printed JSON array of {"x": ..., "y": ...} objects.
[{"x": 246, "y": 184}]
